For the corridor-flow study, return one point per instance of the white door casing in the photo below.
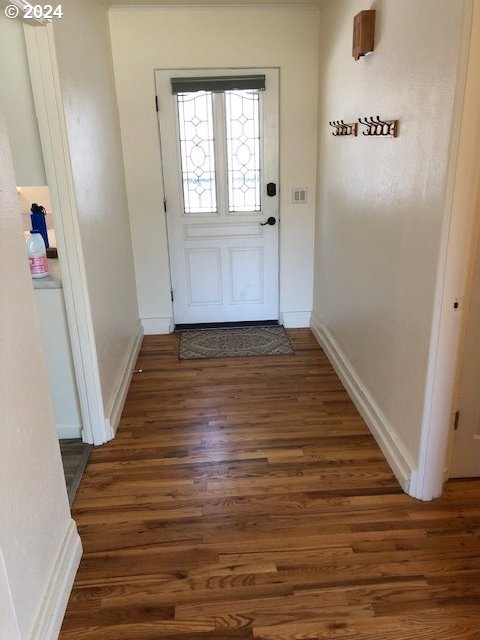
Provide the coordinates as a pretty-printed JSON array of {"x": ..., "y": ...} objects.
[
  {"x": 224, "y": 264},
  {"x": 47, "y": 95},
  {"x": 466, "y": 440}
]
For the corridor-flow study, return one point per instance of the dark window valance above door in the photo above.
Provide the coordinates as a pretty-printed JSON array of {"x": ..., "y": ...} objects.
[{"x": 218, "y": 84}]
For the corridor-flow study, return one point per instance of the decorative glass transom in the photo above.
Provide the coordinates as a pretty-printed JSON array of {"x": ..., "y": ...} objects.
[
  {"x": 243, "y": 150},
  {"x": 197, "y": 152}
]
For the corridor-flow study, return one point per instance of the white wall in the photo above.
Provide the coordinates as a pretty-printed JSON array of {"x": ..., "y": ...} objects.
[
  {"x": 205, "y": 37},
  {"x": 381, "y": 201},
  {"x": 88, "y": 92},
  {"x": 35, "y": 516},
  {"x": 17, "y": 100}
]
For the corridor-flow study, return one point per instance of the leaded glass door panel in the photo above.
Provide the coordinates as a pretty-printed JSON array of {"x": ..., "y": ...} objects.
[{"x": 219, "y": 151}]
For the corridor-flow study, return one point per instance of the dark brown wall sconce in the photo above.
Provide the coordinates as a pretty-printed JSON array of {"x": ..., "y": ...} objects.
[{"x": 363, "y": 33}]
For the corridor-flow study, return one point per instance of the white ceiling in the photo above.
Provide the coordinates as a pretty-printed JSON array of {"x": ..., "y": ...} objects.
[{"x": 210, "y": 2}]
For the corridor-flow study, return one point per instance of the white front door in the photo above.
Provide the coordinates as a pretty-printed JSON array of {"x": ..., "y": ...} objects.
[
  {"x": 466, "y": 442},
  {"x": 219, "y": 152}
]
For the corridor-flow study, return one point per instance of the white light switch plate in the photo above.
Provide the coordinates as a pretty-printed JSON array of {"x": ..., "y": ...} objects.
[{"x": 299, "y": 195}]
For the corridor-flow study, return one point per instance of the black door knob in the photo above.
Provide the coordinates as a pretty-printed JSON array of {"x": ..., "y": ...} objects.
[{"x": 271, "y": 221}]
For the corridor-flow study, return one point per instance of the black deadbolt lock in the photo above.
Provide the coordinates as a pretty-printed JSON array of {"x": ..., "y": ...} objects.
[{"x": 271, "y": 189}]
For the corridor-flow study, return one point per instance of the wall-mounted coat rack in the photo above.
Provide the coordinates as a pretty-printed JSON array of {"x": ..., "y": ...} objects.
[
  {"x": 377, "y": 127},
  {"x": 344, "y": 128}
]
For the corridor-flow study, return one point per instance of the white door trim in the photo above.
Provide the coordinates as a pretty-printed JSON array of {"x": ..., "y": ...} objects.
[
  {"x": 460, "y": 226},
  {"x": 51, "y": 121}
]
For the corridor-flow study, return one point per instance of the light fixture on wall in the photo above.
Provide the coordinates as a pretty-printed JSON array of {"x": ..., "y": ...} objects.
[{"x": 363, "y": 33}]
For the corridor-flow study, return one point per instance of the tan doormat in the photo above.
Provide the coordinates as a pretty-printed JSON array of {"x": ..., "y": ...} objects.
[{"x": 234, "y": 343}]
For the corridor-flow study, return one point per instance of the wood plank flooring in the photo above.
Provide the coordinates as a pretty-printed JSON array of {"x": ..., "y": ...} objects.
[
  {"x": 75, "y": 454},
  {"x": 245, "y": 498}
]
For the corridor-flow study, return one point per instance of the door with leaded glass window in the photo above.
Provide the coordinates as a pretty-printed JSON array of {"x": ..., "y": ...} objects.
[{"x": 219, "y": 144}]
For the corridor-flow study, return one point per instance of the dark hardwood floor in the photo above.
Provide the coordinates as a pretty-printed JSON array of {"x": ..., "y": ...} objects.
[
  {"x": 245, "y": 498},
  {"x": 75, "y": 454}
]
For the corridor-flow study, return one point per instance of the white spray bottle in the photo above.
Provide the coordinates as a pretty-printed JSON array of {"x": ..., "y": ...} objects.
[{"x": 37, "y": 255}]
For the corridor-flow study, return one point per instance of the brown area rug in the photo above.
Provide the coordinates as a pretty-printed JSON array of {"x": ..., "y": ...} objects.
[{"x": 234, "y": 343}]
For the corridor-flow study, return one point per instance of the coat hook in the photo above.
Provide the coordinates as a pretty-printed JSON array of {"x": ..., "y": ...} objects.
[
  {"x": 377, "y": 127},
  {"x": 343, "y": 128}
]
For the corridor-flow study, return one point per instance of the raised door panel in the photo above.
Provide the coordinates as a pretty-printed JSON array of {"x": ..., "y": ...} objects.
[
  {"x": 204, "y": 276},
  {"x": 246, "y": 275}
]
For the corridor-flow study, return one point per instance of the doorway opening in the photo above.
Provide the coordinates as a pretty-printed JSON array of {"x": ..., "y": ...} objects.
[
  {"x": 34, "y": 118},
  {"x": 37, "y": 213}
]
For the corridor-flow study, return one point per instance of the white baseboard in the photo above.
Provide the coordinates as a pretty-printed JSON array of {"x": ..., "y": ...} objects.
[
  {"x": 49, "y": 620},
  {"x": 119, "y": 395},
  {"x": 9, "y": 629},
  {"x": 295, "y": 319},
  {"x": 397, "y": 457},
  {"x": 66, "y": 431},
  {"x": 155, "y": 326}
]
